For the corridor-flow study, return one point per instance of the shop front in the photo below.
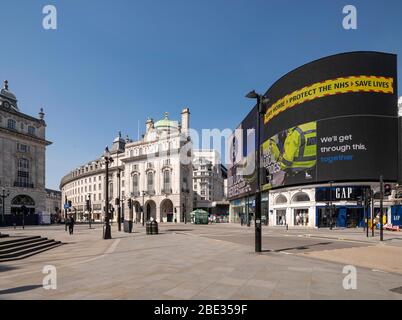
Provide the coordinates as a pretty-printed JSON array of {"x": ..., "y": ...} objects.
[
  {"x": 341, "y": 206},
  {"x": 396, "y": 215},
  {"x": 344, "y": 216},
  {"x": 243, "y": 210}
]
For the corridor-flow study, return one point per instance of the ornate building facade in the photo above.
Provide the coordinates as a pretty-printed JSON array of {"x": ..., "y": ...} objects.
[
  {"x": 154, "y": 173},
  {"x": 22, "y": 161}
]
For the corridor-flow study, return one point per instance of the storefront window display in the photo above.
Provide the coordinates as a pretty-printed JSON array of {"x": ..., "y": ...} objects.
[
  {"x": 301, "y": 217},
  {"x": 280, "y": 217}
]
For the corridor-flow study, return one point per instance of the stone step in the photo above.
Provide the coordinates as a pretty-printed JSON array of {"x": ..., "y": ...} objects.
[
  {"x": 19, "y": 242},
  {"x": 28, "y": 253},
  {"x": 16, "y": 239},
  {"x": 15, "y": 247},
  {"x": 23, "y": 247}
]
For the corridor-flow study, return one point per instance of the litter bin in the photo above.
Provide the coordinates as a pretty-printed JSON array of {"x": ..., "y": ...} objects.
[
  {"x": 154, "y": 227},
  {"x": 128, "y": 226},
  {"x": 148, "y": 227}
]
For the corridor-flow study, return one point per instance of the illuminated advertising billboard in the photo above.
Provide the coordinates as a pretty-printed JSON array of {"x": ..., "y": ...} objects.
[
  {"x": 334, "y": 119},
  {"x": 241, "y": 167}
]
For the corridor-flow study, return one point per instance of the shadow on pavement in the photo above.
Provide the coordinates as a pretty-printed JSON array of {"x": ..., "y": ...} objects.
[
  {"x": 7, "y": 268},
  {"x": 20, "y": 289},
  {"x": 305, "y": 247}
]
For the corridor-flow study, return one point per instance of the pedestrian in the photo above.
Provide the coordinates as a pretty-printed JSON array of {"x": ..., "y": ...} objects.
[{"x": 71, "y": 225}]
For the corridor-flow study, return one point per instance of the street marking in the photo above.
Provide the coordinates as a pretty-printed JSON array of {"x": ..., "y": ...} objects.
[{"x": 381, "y": 271}]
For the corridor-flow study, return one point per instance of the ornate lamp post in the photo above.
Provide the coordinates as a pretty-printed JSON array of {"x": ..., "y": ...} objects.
[
  {"x": 3, "y": 196},
  {"x": 89, "y": 209},
  {"x": 118, "y": 192},
  {"x": 143, "y": 208},
  {"x": 107, "y": 232}
]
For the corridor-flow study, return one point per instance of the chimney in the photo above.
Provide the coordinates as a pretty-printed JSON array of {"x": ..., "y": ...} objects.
[
  {"x": 149, "y": 124},
  {"x": 185, "y": 120}
]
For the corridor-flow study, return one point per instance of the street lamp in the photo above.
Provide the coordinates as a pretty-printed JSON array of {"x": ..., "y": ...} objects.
[
  {"x": 89, "y": 209},
  {"x": 3, "y": 196},
  {"x": 107, "y": 232},
  {"x": 331, "y": 208},
  {"x": 143, "y": 208},
  {"x": 261, "y": 100},
  {"x": 118, "y": 193}
]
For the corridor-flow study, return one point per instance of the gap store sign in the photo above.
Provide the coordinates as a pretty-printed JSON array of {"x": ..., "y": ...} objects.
[{"x": 341, "y": 193}]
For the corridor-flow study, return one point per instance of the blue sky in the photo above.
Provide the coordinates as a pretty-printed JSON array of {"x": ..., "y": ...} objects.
[{"x": 111, "y": 64}]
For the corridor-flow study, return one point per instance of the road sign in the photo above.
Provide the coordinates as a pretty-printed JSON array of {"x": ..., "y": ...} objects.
[{"x": 66, "y": 206}]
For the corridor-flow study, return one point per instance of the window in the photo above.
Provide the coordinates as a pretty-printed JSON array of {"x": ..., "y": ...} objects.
[
  {"x": 23, "y": 174},
  {"x": 11, "y": 124},
  {"x": 122, "y": 183},
  {"x": 100, "y": 186},
  {"x": 150, "y": 182},
  {"x": 31, "y": 130},
  {"x": 94, "y": 196},
  {"x": 280, "y": 217},
  {"x": 281, "y": 199},
  {"x": 301, "y": 217},
  {"x": 301, "y": 197},
  {"x": 135, "y": 183},
  {"x": 94, "y": 187},
  {"x": 22, "y": 148},
  {"x": 111, "y": 190},
  {"x": 166, "y": 180}
]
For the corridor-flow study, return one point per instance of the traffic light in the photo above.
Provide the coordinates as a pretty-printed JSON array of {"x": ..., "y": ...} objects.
[
  {"x": 129, "y": 203},
  {"x": 88, "y": 205},
  {"x": 387, "y": 190},
  {"x": 70, "y": 204},
  {"x": 117, "y": 201}
]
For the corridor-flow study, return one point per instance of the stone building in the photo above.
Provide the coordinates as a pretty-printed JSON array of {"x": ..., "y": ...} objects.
[
  {"x": 153, "y": 172},
  {"x": 22, "y": 160},
  {"x": 209, "y": 177},
  {"x": 53, "y": 202}
]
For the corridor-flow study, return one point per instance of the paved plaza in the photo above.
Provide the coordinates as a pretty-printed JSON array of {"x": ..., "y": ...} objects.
[{"x": 206, "y": 262}]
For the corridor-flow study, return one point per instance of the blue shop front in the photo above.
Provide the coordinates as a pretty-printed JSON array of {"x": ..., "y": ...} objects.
[
  {"x": 396, "y": 215},
  {"x": 347, "y": 204}
]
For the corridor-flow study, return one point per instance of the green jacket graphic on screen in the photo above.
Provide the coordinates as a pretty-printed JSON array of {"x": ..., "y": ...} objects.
[{"x": 300, "y": 148}]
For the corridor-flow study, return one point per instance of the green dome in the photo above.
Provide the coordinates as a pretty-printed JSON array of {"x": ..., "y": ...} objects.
[{"x": 166, "y": 123}]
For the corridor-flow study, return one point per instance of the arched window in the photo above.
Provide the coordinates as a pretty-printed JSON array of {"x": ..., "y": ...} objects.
[
  {"x": 281, "y": 199},
  {"x": 22, "y": 200},
  {"x": 301, "y": 197}
]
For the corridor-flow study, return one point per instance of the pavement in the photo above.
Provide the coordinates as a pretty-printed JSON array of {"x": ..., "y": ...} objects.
[{"x": 206, "y": 262}]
